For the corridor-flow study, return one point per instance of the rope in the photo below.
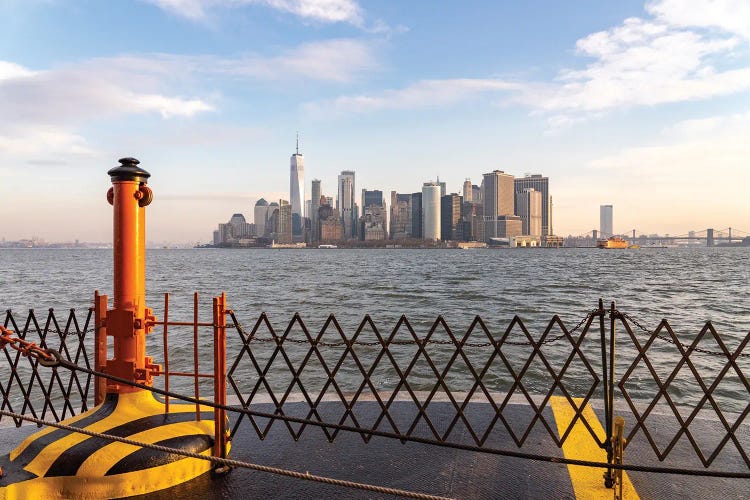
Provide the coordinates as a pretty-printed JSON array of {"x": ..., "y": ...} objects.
[
  {"x": 227, "y": 462},
  {"x": 393, "y": 435}
]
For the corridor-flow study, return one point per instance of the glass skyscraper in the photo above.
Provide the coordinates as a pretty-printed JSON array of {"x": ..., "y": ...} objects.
[{"x": 297, "y": 189}]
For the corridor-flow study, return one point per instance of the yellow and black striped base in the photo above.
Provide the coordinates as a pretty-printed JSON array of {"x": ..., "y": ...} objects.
[{"x": 56, "y": 463}]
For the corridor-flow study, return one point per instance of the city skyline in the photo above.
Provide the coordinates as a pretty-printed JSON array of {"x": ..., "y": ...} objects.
[{"x": 644, "y": 105}]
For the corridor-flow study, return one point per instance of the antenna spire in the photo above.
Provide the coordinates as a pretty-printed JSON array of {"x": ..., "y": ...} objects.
[{"x": 297, "y": 142}]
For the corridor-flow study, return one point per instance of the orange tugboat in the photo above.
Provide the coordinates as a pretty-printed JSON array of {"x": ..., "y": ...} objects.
[{"x": 613, "y": 242}]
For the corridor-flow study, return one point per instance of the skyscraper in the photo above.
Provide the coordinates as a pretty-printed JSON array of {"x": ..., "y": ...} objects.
[
  {"x": 498, "y": 194},
  {"x": 260, "y": 216},
  {"x": 467, "y": 191},
  {"x": 374, "y": 197},
  {"x": 541, "y": 184},
  {"x": 498, "y": 200},
  {"x": 346, "y": 204},
  {"x": 297, "y": 189},
  {"x": 415, "y": 214},
  {"x": 605, "y": 221},
  {"x": 400, "y": 224},
  {"x": 450, "y": 215},
  {"x": 284, "y": 222},
  {"x": 314, "y": 206},
  {"x": 529, "y": 208},
  {"x": 431, "y": 211}
]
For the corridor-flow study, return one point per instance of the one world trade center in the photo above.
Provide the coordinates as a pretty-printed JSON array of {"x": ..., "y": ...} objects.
[{"x": 297, "y": 190}]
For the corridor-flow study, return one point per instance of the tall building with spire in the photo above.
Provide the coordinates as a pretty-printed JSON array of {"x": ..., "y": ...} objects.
[{"x": 297, "y": 190}]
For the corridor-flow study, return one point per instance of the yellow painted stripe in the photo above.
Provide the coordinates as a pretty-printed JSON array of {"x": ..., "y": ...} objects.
[
  {"x": 106, "y": 457},
  {"x": 131, "y": 406},
  {"x": 26, "y": 442},
  {"x": 588, "y": 482},
  {"x": 117, "y": 486}
]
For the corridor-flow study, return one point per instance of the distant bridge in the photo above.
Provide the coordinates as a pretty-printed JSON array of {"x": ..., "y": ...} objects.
[{"x": 710, "y": 236}]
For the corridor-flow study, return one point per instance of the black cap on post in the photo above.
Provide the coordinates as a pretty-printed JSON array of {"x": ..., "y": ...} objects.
[{"x": 129, "y": 171}]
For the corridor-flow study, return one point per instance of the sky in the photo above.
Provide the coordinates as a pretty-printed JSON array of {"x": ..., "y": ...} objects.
[{"x": 645, "y": 106}]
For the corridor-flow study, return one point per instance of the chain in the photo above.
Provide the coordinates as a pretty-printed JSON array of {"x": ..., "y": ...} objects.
[
  {"x": 61, "y": 332},
  {"x": 25, "y": 348},
  {"x": 421, "y": 342},
  {"x": 672, "y": 341},
  {"x": 227, "y": 462}
]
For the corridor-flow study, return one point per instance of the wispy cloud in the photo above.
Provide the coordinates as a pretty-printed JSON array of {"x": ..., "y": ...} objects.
[
  {"x": 56, "y": 103},
  {"x": 730, "y": 16},
  {"x": 337, "y": 60},
  {"x": 686, "y": 51},
  {"x": 686, "y": 151},
  {"x": 329, "y": 11},
  {"x": 42, "y": 109},
  {"x": 644, "y": 63},
  {"x": 423, "y": 94}
]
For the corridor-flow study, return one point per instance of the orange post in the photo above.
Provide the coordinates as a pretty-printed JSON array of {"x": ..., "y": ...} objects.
[
  {"x": 130, "y": 319},
  {"x": 220, "y": 376},
  {"x": 166, "y": 351},
  {"x": 100, "y": 341}
]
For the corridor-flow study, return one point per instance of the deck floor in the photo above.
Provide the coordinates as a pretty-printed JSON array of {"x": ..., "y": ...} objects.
[{"x": 427, "y": 468}]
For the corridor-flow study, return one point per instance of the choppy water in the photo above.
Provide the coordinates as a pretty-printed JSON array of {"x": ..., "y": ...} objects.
[{"x": 688, "y": 286}]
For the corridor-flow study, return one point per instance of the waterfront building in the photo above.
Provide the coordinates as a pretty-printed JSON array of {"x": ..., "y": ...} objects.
[
  {"x": 233, "y": 231},
  {"x": 284, "y": 223},
  {"x": 450, "y": 216},
  {"x": 467, "y": 191},
  {"x": 498, "y": 196},
  {"x": 330, "y": 229},
  {"x": 373, "y": 223},
  {"x": 472, "y": 228},
  {"x": 315, "y": 199},
  {"x": 529, "y": 209},
  {"x": 346, "y": 204},
  {"x": 400, "y": 223},
  {"x": 539, "y": 183},
  {"x": 260, "y": 216},
  {"x": 504, "y": 226},
  {"x": 431, "y": 211},
  {"x": 498, "y": 199},
  {"x": 373, "y": 198},
  {"x": 605, "y": 221},
  {"x": 239, "y": 227},
  {"x": 297, "y": 190},
  {"x": 415, "y": 215}
]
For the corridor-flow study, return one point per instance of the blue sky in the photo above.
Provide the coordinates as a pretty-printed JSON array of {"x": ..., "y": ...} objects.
[{"x": 642, "y": 105}]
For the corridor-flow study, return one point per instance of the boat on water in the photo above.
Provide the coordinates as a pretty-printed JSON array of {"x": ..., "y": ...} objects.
[
  {"x": 612, "y": 242},
  {"x": 327, "y": 246}
]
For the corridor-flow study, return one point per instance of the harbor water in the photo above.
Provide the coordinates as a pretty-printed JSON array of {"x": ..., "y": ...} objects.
[{"x": 688, "y": 286}]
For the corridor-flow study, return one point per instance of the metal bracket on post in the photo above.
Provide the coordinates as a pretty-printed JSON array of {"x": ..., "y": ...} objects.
[{"x": 618, "y": 449}]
